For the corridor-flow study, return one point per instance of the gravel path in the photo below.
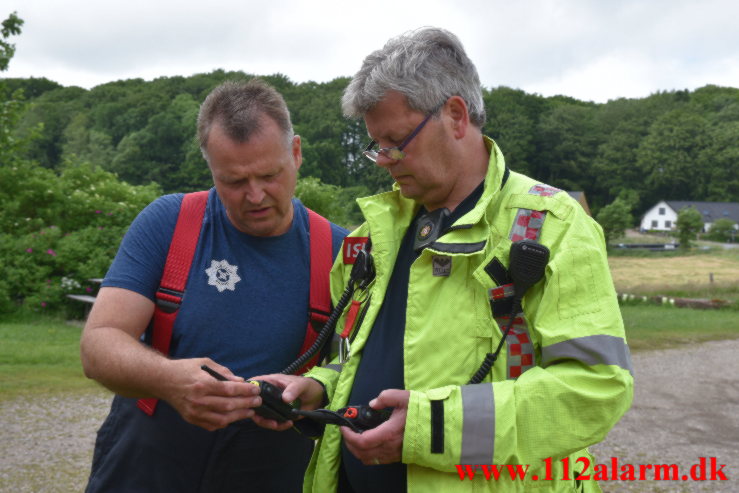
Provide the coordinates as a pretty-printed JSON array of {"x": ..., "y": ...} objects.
[{"x": 686, "y": 406}]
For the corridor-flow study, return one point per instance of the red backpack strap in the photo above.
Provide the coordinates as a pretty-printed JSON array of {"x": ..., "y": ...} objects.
[
  {"x": 321, "y": 260},
  {"x": 174, "y": 278}
]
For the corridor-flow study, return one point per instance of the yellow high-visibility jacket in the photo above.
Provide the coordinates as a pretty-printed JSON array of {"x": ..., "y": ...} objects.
[{"x": 577, "y": 387}]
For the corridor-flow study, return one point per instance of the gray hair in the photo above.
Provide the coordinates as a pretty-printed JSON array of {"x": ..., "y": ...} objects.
[
  {"x": 427, "y": 66},
  {"x": 238, "y": 107}
]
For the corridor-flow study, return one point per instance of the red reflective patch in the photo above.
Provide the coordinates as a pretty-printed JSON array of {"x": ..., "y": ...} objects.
[{"x": 352, "y": 247}]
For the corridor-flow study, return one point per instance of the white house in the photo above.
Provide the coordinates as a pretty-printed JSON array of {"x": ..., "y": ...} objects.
[{"x": 663, "y": 216}]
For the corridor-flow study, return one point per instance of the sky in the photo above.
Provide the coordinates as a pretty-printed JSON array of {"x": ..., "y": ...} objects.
[{"x": 592, "y": 50}]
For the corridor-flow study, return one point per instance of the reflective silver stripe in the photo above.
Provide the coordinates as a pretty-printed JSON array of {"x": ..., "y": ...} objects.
[
  {"x": 478, "y": 427},
  {"x": 336, "y": 368},
  {"x": 458, "y": 247},
  {"x": 591, "y": 350}
]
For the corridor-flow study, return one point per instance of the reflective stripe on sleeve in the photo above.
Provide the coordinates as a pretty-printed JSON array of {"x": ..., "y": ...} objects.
[
  {"x": 478, "y": 427},
  {"x": 336, "y": 368},
  {"x": 591, "y": 350}
]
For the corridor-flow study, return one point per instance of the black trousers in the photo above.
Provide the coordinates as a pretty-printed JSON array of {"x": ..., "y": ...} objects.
[{"x": 135, "y": 452}]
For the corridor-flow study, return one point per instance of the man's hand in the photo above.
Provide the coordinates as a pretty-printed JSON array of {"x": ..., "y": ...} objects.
[
  {"x": 308, "y": 391},
  {"x": 112, "y": 353},
  {"x": 384, "y": 444},
  {"x": 203, "y": 400}
]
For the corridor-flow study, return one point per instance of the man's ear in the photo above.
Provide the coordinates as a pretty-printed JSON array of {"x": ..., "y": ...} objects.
[
  {"x": 456, "y": 109},
  {"x": 297, "y": 152}
]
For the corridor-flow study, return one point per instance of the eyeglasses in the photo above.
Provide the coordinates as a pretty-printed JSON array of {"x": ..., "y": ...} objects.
[{"x": 396, "y": 153}]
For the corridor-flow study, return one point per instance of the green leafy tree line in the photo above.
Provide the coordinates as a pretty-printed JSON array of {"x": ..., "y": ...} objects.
[{"x": 677, "y": 145}]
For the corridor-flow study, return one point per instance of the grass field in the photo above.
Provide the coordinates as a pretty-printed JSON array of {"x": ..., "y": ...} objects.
[
  {"x": 39, "y": 355},
  {"x": 713, "y": 275}
]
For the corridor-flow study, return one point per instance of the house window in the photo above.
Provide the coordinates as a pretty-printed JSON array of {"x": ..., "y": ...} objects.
[
  {"x": 668, "y": 224},
  {"x": 654, "y": 224},
  {"x": 661, "y": 211}
]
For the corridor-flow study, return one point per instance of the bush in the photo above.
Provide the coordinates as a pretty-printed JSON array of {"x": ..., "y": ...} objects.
[
  {"x": 336, "y": 204},
  {"x": 58, "y": 231},
  {"x": 722, "y": 230},
  {"x": 615, "y": 218}
]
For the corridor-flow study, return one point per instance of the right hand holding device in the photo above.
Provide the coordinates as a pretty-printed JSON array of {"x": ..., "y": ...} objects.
[{"x": 206, "y": 401}]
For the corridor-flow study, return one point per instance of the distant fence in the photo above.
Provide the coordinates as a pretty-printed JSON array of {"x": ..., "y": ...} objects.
[
  {"x": 701, "y": 303},
  {"x": 649, "y": 246}
]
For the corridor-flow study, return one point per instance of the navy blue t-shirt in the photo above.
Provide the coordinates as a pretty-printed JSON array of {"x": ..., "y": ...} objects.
[
  {"x": 381, "y": 366},
  {"x": 246, "y": 300}
]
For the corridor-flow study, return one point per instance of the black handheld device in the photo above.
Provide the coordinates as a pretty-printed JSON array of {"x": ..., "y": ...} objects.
[
  {"x": 273, "y": 407},
  {"x": 357, "y": 418}
]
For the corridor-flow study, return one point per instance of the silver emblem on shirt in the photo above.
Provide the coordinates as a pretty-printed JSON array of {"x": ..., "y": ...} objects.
[{"x": 222, "y": 275}]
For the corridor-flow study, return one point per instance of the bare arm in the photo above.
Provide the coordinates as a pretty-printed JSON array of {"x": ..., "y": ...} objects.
[{"x": 113, "y": 355}]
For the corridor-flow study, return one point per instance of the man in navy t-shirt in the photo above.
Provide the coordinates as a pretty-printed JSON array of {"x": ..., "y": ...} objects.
[{"x": 244, "y": 313}]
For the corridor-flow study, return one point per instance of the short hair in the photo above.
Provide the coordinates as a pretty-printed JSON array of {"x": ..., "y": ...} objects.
[
  {"x": 239, "y": 106},
  {"x": 427, "y": 66}
]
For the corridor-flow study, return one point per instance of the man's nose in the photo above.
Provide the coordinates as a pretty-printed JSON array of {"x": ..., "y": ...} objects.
[
  {"x": 254, "y": 194},
  {"x": 384, "y": 161}
]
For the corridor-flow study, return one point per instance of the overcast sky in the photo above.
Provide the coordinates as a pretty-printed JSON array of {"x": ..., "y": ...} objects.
[{"x": 592, "y": 50}]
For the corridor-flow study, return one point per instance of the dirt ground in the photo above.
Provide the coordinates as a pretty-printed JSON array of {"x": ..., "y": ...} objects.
[{"x": 686, "y": 406}]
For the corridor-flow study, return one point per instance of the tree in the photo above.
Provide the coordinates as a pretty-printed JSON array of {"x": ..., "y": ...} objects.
[
  {"x": 615, "y": 218},
  {"x": 10, "y": 107},
  {"x": 667, "y": 157},
  {"x": 11, "y": 27},
  {"x": 566, "y": 143},
  {"x": 723, "y": 230},
  {"x": 689, "y": 224},
  {"x": 512, "y": 116},
  {"x": 719, "y": 161}
]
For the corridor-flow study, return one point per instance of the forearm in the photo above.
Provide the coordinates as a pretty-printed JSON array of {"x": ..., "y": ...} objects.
[
  {"x": 112, "y": 352},
  {"x": 123, "y": 364},
  {"x": 506, "y": 423}
]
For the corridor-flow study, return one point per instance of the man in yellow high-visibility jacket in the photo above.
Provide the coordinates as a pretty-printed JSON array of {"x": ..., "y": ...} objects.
[{"x": 414, "y": 337}]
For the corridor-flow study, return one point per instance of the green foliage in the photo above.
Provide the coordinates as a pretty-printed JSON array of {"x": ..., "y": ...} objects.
[
  {"x": 566, "y": 135},
  {"x": 615, "y": 218},
  {"x": 689, "y": 224},
  {"x": 10, "y": 27},
  {"x": 667, "y": 156},
  {"x": 723, "y": 230},
  {"x": 669, "y": 146},
  {"x": 332, "y": 202},
  {"x": 11, "y": 100},
  {"x": 59, "y": 230}
]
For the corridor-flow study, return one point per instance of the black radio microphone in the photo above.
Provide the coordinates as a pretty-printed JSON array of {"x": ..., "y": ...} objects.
[{"x": 528, "y": 260}]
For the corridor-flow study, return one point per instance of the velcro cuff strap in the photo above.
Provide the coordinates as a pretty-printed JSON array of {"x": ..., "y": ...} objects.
[{"x": 437, "y": 427}]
